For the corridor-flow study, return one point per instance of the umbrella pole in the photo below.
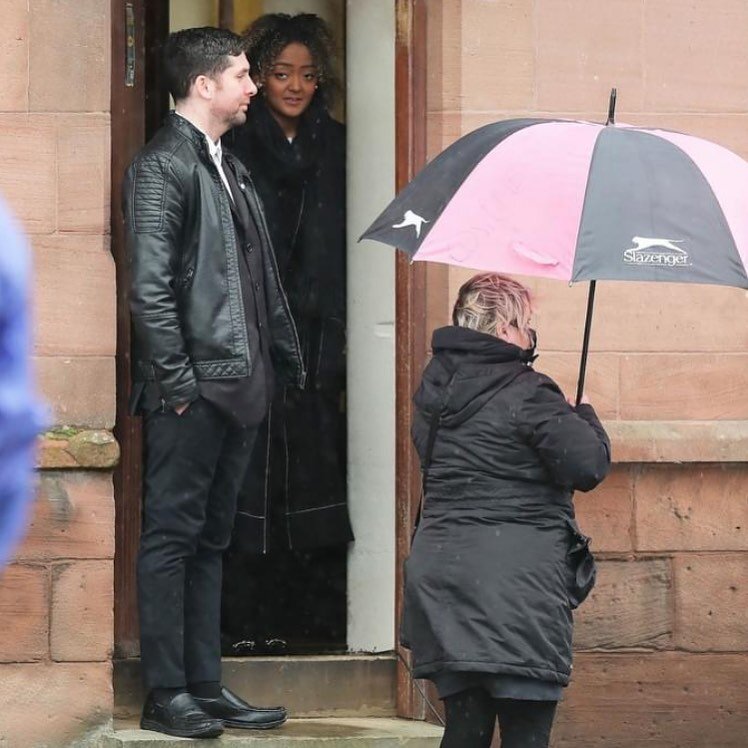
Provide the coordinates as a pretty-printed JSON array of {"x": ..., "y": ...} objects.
[{"x": 586, "y": 341}]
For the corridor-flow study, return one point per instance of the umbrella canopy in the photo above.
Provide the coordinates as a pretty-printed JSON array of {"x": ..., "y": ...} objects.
[{"x": 578, "y": 201}]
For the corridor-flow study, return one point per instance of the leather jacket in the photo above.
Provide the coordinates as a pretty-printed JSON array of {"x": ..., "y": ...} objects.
[{"x": 185, "y": 296}]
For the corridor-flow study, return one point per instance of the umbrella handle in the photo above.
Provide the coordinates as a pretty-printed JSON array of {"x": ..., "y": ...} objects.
[{"x": 586, "y": 341}]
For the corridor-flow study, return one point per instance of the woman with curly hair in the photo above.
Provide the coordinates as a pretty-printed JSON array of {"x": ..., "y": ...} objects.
[{"x": 295, "y": 494}]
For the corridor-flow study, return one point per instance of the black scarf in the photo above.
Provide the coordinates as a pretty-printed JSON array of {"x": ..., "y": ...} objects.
[{"x": 302, "y": 187}]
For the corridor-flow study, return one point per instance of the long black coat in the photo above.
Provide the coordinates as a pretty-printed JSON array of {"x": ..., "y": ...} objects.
[
  {"x": 490, "y": 576},
  {"x": 297, "y": 474}
]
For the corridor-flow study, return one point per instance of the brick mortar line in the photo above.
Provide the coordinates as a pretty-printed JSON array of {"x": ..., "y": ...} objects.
[{"x": 663, "y": 554}]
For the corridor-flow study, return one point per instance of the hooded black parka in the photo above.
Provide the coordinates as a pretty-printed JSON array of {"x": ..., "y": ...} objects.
[{"x": 490, "y": 582}]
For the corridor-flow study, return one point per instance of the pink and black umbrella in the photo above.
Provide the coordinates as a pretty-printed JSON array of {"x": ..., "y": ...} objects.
[{"x": 578, "y": 201}]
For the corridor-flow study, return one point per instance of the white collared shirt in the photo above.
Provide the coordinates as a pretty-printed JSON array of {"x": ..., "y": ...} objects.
[{"x": 216, "y": 154}]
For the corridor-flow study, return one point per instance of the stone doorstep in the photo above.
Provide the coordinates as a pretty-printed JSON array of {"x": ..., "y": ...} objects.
[
  {"x": 309, "y": 686},
  {"x": 296, "y": 733}
]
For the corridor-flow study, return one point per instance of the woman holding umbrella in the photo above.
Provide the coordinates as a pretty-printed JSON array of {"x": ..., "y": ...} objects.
[{"x": 498, "y": 561}]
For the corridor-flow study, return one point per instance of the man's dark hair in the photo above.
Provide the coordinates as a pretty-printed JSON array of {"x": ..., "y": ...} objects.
[
  {"x": 270, "y": 34},
  {"x": 200, "y": 51}
]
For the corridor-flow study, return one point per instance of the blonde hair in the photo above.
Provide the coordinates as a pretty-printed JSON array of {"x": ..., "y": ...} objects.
[{"x": 490, "y": 301}]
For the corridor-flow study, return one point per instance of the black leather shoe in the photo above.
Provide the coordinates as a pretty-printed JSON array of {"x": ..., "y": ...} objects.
[
  {"x": 179, "y": 716},
  {"x": 235, "y": 712}
]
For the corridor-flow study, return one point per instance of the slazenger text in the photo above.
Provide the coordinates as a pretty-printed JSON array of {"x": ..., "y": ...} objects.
[{"x": 637, "y": 257}]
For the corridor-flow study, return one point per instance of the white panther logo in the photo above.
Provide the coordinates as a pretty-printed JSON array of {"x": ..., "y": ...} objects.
[{"x": 411, "y": 219}]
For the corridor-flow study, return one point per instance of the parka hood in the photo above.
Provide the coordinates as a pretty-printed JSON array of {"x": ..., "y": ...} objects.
[{"x": 467, "y": 369}]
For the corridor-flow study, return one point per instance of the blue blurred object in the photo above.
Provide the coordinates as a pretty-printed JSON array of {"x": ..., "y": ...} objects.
[{"x": 21, "y": 417}]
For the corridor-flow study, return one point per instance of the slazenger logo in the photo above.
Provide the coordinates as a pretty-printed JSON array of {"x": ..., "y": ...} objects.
[{"x": 656, "y": 252}]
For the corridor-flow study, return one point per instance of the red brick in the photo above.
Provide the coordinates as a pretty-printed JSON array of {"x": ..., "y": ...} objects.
[
  {"x": 606, "y": 514},
  {"x": 83, "y": 174},
  {"x": 69, "y": 63},
  {"x": 582, "y": 52},
  {"x": 50, "y": 705},
  {"x": 28, "y": 177},
  {"x": 630, "y": 606},
  {"x": 80, "y": 390},
  {"x": 73, "y": 517},
  {"x": 498, "y": 60},
  {"x": 692, "y": 507},
  {"x": 711, "y": 602},
  {"x": 657, "y": 700},
  {"x": 24, "y": 611},
  {"x": 684, "y": 43},
  {"x": 601, "y": 381},
  {"x": 651, "y": 317},
  {"x": 684, "y": 386},
  {"x": 75, "y": 296},
  {"x": 82, "y": 611},
  {"x": 14, "y": 55}
]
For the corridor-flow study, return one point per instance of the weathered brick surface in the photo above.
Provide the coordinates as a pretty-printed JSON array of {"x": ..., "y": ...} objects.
[
  {"x": 48, "y": 705},
  {"x": 630, "y": 606},
  {"x": 75, "y": 296},
  {"x": 73, "y": 517},
  {"x": 69, "y": 56},
  {"x": 82, "y": 611},
  {"x": 581, "y": 54},
  {"x": 606, "y": 514},
  {"x": 601, "y": 382},
  {"x": 692, "y": 507},
  {"x": 28, "y": 179},
  {"x": 83, "y": 174},
  {"x": 657, "y": 700},
  {"x": 711, "y": 602},
  {"x": 684, "y": 43},
  {"x": 79, "y": 389},
  {"x": 14, "y": 55},
  {"x": 24, "y": 612},
  {"x": 497, "y": 55},
  {"x": 684, "y": 386}
]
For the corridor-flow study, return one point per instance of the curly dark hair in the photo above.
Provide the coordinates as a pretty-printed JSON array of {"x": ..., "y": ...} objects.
[{"x": 266, "y": 37}]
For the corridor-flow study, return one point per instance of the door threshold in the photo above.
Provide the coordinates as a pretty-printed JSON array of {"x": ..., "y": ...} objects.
[{"x": 347, "y": 685}]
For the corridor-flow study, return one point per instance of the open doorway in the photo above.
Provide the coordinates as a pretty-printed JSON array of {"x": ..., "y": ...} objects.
[
  {"x": 356, "y": 612},
  {"x": 285, "y": 574}
]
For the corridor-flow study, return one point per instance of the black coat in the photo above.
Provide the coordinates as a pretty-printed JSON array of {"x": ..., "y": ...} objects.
[
  {"x": 297, "y": 475},
  {"x": 185, "y": 296},
  {"x": 489, "y": 582}
]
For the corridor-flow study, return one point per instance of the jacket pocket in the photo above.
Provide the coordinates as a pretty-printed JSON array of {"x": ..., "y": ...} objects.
[{"x": 581, "y": 564}]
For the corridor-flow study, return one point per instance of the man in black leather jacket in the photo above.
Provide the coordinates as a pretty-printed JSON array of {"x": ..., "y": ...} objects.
[{"x": 211, "y": 329}]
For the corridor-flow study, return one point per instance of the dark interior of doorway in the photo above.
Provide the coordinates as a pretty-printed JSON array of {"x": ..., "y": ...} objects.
[{"x": 285, "y": 601}]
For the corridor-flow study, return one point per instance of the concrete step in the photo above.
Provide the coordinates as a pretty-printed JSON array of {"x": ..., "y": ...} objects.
[
  {"x": 308, "y": 686},
  {"x": 296, "y": 733}
]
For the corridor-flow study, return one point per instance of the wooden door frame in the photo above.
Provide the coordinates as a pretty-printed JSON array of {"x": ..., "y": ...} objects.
[
  {"x": 132, "y": 114},
  {"x": 414, "y": 285},
  {"x": 137, "y": 110}
]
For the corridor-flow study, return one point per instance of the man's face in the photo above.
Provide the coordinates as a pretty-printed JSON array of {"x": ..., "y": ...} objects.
[{"x": 232, "y": 92}]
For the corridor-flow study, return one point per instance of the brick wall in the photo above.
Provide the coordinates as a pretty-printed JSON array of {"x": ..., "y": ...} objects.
[
  {"x": 56, "y": 597},
  {"x": 662, "y": 644}
]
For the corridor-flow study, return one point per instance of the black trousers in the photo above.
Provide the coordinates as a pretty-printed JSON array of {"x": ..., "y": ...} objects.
[
  {"x": 471, "y": 720},
  {"x": 194, "y": 466}
]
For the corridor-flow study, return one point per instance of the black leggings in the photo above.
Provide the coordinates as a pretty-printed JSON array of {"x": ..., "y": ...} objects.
[{"x": 471, "y": 718}]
